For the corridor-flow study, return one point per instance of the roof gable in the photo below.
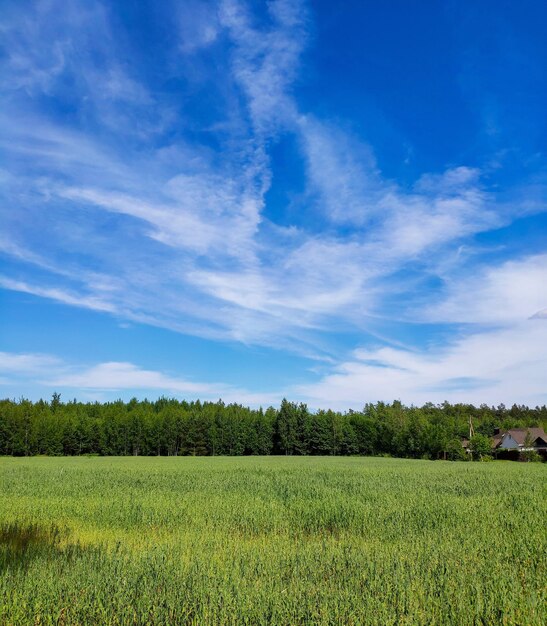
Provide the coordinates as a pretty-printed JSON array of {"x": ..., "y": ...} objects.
[{"x": 509, "y": 441}]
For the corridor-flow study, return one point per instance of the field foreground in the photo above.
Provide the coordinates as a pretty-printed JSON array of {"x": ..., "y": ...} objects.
[{"x": 266, "y": 540}]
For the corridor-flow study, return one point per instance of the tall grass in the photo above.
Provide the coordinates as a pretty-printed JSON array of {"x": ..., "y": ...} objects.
[{"x": 271, "y": 541}]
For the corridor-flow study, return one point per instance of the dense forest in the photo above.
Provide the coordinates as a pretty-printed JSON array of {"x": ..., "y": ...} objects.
[{"x": 173, "y": 427}]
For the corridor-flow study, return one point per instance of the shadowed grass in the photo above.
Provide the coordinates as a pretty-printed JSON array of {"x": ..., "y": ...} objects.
[{"x": 22, "y": 543}]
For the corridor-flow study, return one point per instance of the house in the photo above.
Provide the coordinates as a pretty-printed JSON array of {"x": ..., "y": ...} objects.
[
  {"x": 510, "y": 443},
  {"x": 520, "y": 440}
]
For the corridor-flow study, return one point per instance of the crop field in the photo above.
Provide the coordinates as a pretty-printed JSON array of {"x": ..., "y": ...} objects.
[{"x": 271, "y": 540}]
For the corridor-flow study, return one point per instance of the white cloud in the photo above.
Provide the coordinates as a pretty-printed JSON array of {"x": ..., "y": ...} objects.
[
  {"x": 394, "y": 223},
  {"x": 501, "y": 359},
  {"x": 342, "y": 172},
  {"x": 119, "y": 376},
  {"x": 90, "y": 302},
  {"x": 27, "y": 364},
  {"x": 211, "y": 216},
  {"x": 176, "y": 232},
  {"x": 112, "y": 379},
  {"x": 198, "y": 25},
  {"x": 512, "y": 291},
  {"x": 508, "y": 365},
  {"x": 266, "y": 60}
]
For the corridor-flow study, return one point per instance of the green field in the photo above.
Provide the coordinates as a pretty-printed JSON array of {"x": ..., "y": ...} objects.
[{"x": 269, "y": 540}]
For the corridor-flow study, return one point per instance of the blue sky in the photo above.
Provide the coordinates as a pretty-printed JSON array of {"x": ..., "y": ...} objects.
[{"x": 334, "y": 202}]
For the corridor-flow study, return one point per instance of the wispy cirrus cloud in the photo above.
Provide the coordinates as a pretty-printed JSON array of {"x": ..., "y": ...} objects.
[
  {"x": 144, "y": 192},
  {"x": 504, "y": 294},
  {"x": 60, "y": 295},
  {"x": 266, "y": 60}
]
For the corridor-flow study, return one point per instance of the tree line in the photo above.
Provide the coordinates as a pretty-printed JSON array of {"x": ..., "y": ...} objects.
[{"x": 172, "y": 427}]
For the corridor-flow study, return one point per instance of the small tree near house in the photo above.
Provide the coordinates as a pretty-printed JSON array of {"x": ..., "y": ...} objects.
[
  {"x": 528, "y": 453},
  {"x": 480, "y": 447}
]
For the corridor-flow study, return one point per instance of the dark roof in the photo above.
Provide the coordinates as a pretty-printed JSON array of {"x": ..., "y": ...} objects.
[{"x": 496, "y": 440}]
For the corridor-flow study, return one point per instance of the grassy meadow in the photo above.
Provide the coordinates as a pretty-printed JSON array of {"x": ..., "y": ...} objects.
[{"x": 271, "y": 540}]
